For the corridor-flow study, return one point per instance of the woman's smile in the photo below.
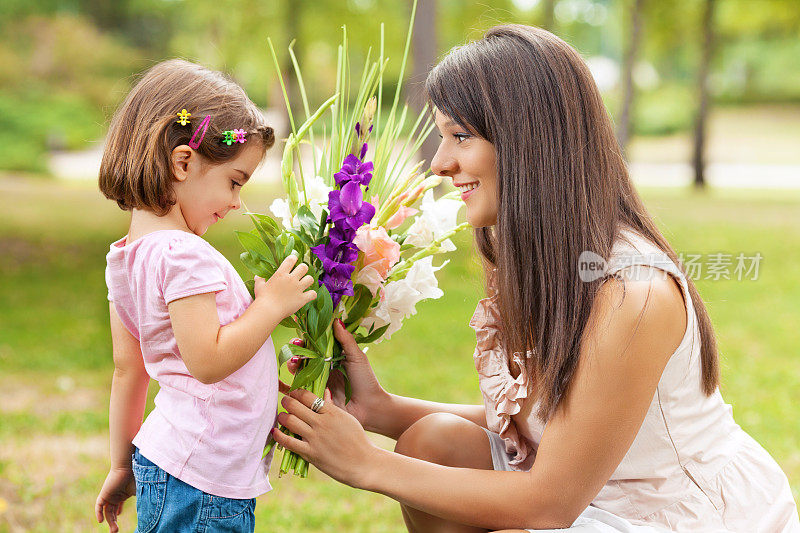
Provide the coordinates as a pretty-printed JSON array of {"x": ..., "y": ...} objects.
[{"x": 466, "y": 188}]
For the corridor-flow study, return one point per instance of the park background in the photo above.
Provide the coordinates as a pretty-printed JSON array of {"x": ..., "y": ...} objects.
[{"x": 705, "y": 95}]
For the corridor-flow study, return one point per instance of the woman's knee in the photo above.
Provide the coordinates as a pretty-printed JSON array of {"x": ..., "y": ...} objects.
[{"x": 446, "y": 439}]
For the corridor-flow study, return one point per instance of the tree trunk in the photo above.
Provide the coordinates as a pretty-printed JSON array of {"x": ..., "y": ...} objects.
[
  {"x": 625, "y": 125},
  {"x": 702, "y": 89},
  {"x": 424, "y": 55}
]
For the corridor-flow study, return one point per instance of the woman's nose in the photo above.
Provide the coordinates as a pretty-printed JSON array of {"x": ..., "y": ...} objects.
[
  {"x": 442, "y": 163},
  {"x": 237, "y": 202}
]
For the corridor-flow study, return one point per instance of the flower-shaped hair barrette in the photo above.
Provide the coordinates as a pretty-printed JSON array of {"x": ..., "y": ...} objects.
[
  {"x": 183, "y": 117},
  {"x": 232, "y": 136}
]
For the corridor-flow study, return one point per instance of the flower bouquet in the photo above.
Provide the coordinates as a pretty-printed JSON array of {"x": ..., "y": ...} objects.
[{"x": 366, "y": 223}]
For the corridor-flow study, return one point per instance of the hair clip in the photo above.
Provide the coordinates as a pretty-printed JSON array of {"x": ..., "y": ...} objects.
[
  {"x": 203, "y": 126},
  {"x": 183, "y": 117},
  {"x": 232, "y": 136}
]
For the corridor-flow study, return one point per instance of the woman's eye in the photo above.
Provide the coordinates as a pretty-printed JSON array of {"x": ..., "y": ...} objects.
[
  {"x": 460, "y": 137},
  {"x": 235, "y": 183}
]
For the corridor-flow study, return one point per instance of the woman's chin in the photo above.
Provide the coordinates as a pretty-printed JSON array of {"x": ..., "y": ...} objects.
[{"x": 480, "y": 220}]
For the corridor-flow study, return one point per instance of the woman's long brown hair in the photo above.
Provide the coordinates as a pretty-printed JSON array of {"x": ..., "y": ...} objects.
[{"x": 563, "y": 189}]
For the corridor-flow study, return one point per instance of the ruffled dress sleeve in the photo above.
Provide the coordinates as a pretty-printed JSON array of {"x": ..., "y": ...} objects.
[{"x": 503, "y": 395}]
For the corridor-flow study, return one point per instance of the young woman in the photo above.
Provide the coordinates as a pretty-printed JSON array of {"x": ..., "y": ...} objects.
[{"x": 601, "y": 402}]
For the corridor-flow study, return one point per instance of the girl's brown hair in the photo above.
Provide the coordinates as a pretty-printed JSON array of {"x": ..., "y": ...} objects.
[
  {"x": 563, "y": 188},
  {"x": 136, "y": 170}
]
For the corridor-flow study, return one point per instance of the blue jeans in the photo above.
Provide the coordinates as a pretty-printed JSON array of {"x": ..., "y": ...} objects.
[{"x": 165, "y": 503}]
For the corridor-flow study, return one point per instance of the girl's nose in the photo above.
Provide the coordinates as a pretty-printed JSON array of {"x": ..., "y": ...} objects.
[
  {"x": 237, "y": 202},
  {"x": 443, "y": 164}
]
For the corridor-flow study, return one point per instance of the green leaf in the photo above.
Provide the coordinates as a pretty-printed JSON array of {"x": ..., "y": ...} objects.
[
  {"x": 373, "y": 336},
  {"x": 284, "y": 354},
  {"x": 325, "y": 307},
  {"x": 290, "y": 350},
  {"x": 312, "y": 320},
  {"x": 257, "y": 267},
  {"x": 302, "y": 237},
  {"x": 289, "y": 247},
  {"x": 288, "y": 322},
  {"x": 348, "y": 388},
  {"x": 307, "y": 220},
  {"x": 254, "y": 245},
  {"x": 250, "y": 284},
  {"x": 323, "y": 223},
  {"x": 308, "y": 374},
  {"x": 363, "y": 299},
  {"x": 266, "y": 226}
]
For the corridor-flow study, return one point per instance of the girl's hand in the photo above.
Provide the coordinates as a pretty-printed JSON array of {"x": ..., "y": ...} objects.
[
  {"x": 286, "y": 290},
  {"x": 118, "y": 487},
  {"x": 333, "y": 440},
  {"x": 367, "y": 393}
]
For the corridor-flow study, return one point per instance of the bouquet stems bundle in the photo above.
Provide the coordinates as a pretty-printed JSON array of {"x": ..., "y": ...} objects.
[{"x": 366, "y": 222}]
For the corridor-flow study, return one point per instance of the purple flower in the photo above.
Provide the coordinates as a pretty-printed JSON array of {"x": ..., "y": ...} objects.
[
  {"x": 353, "y": 169},
  {"x": 348, "y": 210},
  {"x": 337, "y": 287},
  {"x": 337, "y": 257}
]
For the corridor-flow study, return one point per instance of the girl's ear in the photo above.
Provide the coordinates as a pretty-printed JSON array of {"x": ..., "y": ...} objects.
[{"x": 179, "y": 161}]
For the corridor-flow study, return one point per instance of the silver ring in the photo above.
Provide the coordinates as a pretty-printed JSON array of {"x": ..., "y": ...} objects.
[{"x": 317, "y": 405}]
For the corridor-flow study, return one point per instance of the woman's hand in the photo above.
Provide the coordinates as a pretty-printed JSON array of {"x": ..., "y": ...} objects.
[
  {"x": 333, "y": 440},
  {"x": 368, "y": 397},
  {"x": 118, "y": 487}
]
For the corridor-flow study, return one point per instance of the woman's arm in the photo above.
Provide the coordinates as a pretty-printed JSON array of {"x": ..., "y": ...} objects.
[
  {"x": 377, "y": 410},
  {"x": 626, "y": 347},
  {"x": 401, "y": 412}
]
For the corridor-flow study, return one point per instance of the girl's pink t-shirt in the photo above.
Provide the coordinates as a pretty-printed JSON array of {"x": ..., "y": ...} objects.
[{"x": 209, "y": 436}]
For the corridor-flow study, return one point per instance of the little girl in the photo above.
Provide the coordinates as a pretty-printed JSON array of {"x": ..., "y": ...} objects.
[{"x": 179, "y": 150}]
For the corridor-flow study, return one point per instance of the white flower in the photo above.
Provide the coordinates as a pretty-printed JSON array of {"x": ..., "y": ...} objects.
[
  {"x": 280, "y": 208},
  {"x": 437, "y": 218},
  {"x": 317, "y": 194},
  {"x": 419, "y": 233},
  {"x": 399, "y": 298},
  {"x": 370, "y": 277}
]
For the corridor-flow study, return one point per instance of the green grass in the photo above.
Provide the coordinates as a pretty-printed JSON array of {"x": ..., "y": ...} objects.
[{"x": 55, "y": 360}]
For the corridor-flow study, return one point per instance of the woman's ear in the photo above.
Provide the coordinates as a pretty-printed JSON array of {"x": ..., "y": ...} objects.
[{"x": 179, "y": 161}]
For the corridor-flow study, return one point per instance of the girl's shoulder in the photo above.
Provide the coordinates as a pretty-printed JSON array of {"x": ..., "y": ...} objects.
[
  {"x": 163, "y": 240},
  {"x": 165, "y": 249}
]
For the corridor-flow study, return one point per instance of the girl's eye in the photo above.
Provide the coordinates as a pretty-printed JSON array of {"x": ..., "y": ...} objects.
[
  {"x": 460, "y": 137},
  {"x": 235, "y": 183}
]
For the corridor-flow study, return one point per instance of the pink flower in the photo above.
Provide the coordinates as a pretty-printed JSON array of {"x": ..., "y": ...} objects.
[
  {"x": 398, "y": 218},
  {"x": 380, "y": 251}
]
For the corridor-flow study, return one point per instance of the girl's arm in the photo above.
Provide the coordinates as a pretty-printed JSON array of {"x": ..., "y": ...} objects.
[
  {"x": 126, "y": 409},
  {"x": 212, "y": 352},
  {"x": 625, "y": 349},
  {"x": 128, "y": 393}
]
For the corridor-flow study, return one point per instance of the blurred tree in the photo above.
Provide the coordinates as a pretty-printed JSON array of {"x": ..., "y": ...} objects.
[
  {"x": 624, "y": 125},
  {"x": 698, "y": 158},
  {"x": 425, "y": 52},
  {"x": 548, "y": 15}
]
